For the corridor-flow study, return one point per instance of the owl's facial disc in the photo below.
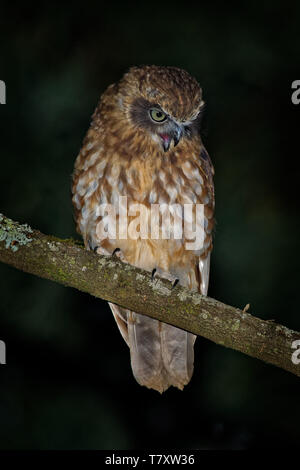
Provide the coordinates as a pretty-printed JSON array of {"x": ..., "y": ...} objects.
[
  {"x": 170, "y": 131},
  {"x": 157, "y": 122}
]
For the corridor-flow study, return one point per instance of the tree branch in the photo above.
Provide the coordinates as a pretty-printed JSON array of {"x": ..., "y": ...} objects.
[{"x": 68, "y": 263}]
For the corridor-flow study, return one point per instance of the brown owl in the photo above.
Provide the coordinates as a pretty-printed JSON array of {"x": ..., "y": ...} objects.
[{"x": 144, "y": 149}]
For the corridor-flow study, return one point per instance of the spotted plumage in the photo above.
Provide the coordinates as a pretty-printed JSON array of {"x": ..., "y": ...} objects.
[{"x": 144, "y": 143}]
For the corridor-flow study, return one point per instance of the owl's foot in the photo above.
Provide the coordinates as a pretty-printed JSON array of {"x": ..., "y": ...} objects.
[
  {"x": 101, "y": 251},
  {"x": 118, "y": 254},
  {"x": 157, "y": 272},
  {"x": 98, "y": 249},
  {"x": 90, "y": 245}
]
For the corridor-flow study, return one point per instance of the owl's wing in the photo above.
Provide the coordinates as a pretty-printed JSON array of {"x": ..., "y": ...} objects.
[
  {"x": 120, "y": 315},
  {"x": 204, "y": 261},
  {"x": 204, "y": 267}
]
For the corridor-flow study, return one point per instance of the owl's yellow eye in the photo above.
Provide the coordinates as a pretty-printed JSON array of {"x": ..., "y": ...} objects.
[{"x": 157, "y": 115}]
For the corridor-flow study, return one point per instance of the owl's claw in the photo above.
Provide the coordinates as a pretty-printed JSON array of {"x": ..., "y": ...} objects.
[
  {"x": 159, "y": 273},
  {"x": 98, "y": 249},
  {"x": 93, "y": 247},
  {"x": 117, "y": 253},
  {"x": 90, "y": 245}
]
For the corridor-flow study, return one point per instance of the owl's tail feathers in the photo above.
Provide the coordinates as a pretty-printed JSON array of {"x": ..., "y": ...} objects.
[{"x": 161, "y": 355}]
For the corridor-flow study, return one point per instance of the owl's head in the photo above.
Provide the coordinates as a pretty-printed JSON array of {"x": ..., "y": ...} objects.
[{"x": 165, "y": 102}]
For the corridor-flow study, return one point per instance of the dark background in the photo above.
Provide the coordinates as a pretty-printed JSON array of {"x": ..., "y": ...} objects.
[{"x": 68, "y": 383}]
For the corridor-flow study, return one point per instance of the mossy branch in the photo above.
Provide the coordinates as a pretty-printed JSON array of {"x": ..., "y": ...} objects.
[{"x": 68, "y": 263}]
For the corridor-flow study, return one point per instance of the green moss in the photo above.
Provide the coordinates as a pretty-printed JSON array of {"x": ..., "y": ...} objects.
[
  {"x": 13, "y": 234},
  {"x": 236, "y": 325},
  {"x": 54, "y": 273},
  {"x": 66, "y": 241}
]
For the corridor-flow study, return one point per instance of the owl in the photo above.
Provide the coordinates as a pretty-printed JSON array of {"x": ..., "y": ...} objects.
[{"x": 143, "y": 149}]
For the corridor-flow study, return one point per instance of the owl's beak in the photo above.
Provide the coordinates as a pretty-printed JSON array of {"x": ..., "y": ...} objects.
[{"x": 175, "y": 135}]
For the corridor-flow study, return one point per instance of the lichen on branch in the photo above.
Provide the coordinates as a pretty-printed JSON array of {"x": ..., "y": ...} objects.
[{"x": 13, "y": 233}]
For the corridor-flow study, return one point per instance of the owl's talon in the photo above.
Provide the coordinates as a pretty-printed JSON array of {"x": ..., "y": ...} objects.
[
  {"x": 99, "y": 250},
  {"x": 117, "y": 253},
  {"x": 93, "y": 247},
  {"x": 164, "y": 275}
]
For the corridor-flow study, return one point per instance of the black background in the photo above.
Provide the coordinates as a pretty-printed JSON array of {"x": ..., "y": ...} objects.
[{"x": 68, "y": 383}]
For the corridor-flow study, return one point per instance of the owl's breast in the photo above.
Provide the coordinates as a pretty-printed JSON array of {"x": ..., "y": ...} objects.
[{"x": 173, "y": 184}]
